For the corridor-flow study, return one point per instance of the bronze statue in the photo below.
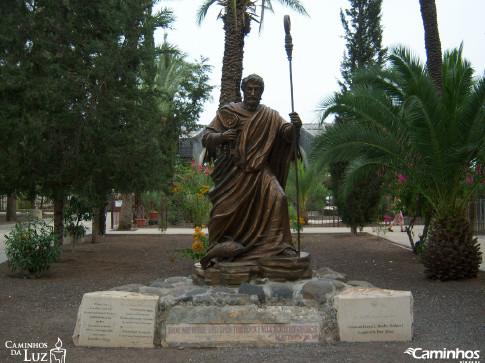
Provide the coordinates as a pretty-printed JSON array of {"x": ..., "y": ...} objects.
[{"x": 254, "y": 150}]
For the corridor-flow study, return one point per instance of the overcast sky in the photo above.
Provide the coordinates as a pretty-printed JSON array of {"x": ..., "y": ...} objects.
[{"x": 318, "y": 45}]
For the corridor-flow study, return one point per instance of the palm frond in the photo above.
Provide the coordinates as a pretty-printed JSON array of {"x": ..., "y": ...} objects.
[
  {"x": 294, "y": 5},
  {"x": 202, "y": 11},
  {"x": 164, "y": 18},
  {"x": 395, "y": 117}
]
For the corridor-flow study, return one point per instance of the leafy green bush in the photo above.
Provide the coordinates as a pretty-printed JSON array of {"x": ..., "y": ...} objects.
[
  {"x": 76, "y": 210},
  {"x": 30, "y": 246},
  {"x": 190, "y": 186}
]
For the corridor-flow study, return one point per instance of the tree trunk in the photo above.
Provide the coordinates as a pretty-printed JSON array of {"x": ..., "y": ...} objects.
[
  {"x": 432, "y": 42},
  {"x": 409, "y": 232},
  {"x": 139, "y": 206},
  {"x": 101, "y": 216},
  {"x": 451, "y": 252},
  {"x": 58, "y": 220},
  {"x": 11, "y": 207},
  {"x": 236, "y": 27},
  {"x": 95, "y": 230},
  {"x": 126, "y": 213},
  {"x": 98, "y": 224}
]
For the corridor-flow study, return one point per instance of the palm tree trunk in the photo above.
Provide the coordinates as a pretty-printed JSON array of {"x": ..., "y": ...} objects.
[
  {"x": 451, "y": 252},
  {"x": 236, "y": 26},
  {"x": 432, "y": 42}
]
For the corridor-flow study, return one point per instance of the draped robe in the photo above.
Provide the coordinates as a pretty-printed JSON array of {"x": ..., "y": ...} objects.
[{"x": 249, "y": 203}]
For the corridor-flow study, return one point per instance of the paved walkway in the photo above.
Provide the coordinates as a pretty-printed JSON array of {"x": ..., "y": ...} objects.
[{"x": 395, "y": 237}]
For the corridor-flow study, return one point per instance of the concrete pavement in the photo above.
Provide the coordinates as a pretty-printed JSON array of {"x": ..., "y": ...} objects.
[{"x": 395, "y": 237}]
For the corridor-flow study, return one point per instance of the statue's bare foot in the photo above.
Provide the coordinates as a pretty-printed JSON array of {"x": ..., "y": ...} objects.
[{"x": 289, "y": 253}]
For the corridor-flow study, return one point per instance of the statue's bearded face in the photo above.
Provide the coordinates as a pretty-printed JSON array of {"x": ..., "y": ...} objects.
[{"x": 252, "y": 95}]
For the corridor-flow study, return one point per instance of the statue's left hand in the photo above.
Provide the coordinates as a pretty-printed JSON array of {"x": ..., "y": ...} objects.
[{"x": 295, "y": 120}]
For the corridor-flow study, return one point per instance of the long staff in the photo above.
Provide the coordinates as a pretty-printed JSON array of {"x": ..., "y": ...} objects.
[{"x": 289, "y": 51}]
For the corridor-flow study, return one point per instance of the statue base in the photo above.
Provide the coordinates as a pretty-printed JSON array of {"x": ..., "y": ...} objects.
[{"x": 277, "y": 268}]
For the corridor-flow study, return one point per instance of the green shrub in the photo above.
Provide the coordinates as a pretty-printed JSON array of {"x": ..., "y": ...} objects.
[
  {"x": 76, "y": 210},
  {"x": 30, "y": 247}
]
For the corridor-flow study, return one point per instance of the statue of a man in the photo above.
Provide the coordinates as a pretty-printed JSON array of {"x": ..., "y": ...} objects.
[{"x": 249, "y": 219}]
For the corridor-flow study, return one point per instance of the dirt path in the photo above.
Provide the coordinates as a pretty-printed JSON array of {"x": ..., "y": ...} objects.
[{"x": 447, "y": 315}]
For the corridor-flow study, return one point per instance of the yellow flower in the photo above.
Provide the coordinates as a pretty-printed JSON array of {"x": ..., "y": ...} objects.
[
  {"x": 177, "y": 188},
  {"x": 302, "y": 221},
  {"x": 203, "y": 190},
  {"x": 197, "y": 247},
  {"x": 198, "y": 234}
]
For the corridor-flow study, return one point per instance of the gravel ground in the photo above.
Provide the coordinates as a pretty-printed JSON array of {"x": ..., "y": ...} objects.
[{"x": 446, "y": 314}]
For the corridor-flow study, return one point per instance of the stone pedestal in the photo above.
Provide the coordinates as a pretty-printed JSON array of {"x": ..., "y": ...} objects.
[
  {"x": 37, "y": 213},
  {"x": 69, "y": 240},
  {"x": 371, "y": 314},
  {"x": 175, "y": 312},
  {"x": 235, "y": 273}
]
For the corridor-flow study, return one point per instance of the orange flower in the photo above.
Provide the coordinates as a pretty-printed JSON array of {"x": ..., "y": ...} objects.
[{"x": 197, "y": 247}]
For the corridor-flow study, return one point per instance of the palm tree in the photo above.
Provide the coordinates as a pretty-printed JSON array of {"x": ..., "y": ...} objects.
[
  {"x": 397, "y": 119},
  {"x": 237, "y": 16},
  {"x": 432, "y": 41},
  {"x": 172, "y": 70},
  {"x": 310, "y": 183}
]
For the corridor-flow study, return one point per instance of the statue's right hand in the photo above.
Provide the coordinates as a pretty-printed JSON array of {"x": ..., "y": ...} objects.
[{"x": 229, "y": 135}]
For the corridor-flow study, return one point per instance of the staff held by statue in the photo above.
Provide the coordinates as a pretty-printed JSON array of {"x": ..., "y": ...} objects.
[{"x": 289, "y": 51}]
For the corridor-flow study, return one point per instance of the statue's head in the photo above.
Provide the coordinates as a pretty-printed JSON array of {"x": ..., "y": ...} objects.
[{"x": 252, "y": 87}]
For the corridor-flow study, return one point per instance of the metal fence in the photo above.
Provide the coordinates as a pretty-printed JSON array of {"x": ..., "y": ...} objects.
[{"x": 326, "y": 217}]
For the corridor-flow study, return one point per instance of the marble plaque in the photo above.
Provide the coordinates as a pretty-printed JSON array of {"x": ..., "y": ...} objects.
[
  {"x": 218, "y": 334},
  {"x": 116, "y": 319},
  {"x": 241, "y": 325},
  {"x": 371, "y": 314}
]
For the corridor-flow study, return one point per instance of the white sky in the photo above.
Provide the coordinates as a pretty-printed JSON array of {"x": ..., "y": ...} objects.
[{"x": 318, "y": 45}]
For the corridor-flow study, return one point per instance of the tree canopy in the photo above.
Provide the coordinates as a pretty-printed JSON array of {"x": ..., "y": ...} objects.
[
  {"x": 80, "y": 104},
  {"x": 363, "y": 35},
  {"x": 397, "y": 119}
]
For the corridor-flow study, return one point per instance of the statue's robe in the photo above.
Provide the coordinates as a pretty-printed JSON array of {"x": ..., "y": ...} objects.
[{"x": 249, "y": 203}]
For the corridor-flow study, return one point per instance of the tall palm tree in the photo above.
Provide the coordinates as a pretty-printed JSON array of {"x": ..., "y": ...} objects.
[
  {"x": 237, "y": 16},
  {"x": 397, "y": 119},
  {"x": 432, "y": 42}
]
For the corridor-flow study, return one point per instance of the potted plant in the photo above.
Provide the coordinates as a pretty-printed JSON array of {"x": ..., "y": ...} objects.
[
  {"x": 140, "y": 222},
  {"x": 140, "y": 215},
  {"x": 152, "y": 200}
]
